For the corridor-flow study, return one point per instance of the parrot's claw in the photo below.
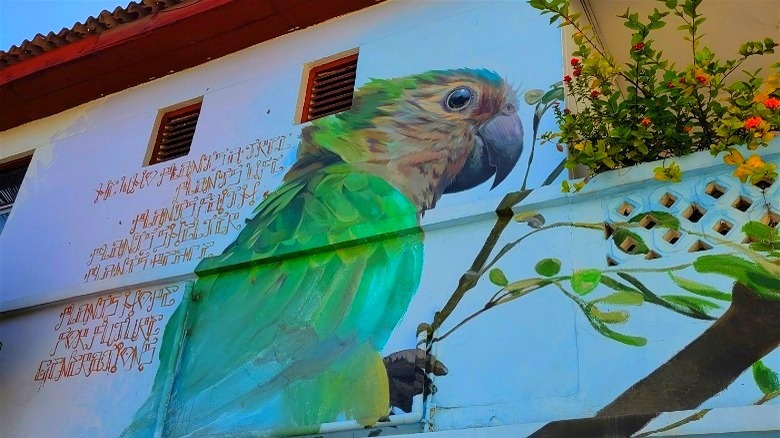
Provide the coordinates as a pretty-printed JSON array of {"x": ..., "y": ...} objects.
[{"x": 408, "y": 375}]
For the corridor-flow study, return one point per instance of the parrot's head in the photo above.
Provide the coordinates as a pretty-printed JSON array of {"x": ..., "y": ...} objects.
[{"x": 438, "y": 132}]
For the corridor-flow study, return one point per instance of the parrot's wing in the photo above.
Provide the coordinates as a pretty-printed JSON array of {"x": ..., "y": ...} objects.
[{"x": 280, "y": 340}]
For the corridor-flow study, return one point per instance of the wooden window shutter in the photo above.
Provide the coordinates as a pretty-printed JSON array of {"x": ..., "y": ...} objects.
[
  {"x": 11, "y": 176},
  {"x": 174, "y": 136},
  {"x": 330, "y": 88}
]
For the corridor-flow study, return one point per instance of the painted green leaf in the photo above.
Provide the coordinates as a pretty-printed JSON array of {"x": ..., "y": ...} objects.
[
  {"x": 623, "y": 298},
  {"x": 533, "y": 96},
  {"x": 497, "y": 277},
  {"x": 524, "y": 285},
  {"x": 695, "y": 304},
  {"x": 766, "y": 379},
  {"x": 601, "y": 327},
  {"x": 746, "y": 272},
  {"x": 585, "y": 281},
  {"x": 651, "y": 297},
  {"x": 629, "y": 242},
  {"x": 760, "y": 232},
  {"x": 548, "y": 267},
  {"x": 555, "y": 94},
  {"x": 661, "y": 218},
  {"x": 611, "y": 317},
  {"x": 697, "y": 288}
]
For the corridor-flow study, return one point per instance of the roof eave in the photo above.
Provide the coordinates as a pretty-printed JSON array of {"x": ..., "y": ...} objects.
[{"x": 174, "y": 39}]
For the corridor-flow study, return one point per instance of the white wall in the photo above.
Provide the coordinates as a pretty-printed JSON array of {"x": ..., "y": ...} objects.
[{"x": 57, "y": 223}]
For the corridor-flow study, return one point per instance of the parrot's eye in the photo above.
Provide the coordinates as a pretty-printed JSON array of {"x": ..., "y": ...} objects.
[{"x": 459, "y": 98}]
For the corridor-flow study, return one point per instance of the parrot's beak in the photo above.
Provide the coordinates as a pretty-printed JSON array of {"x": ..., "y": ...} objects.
[{"x": 497, "y": 147}]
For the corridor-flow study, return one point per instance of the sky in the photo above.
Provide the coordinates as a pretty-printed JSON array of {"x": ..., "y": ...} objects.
[{"x": 23, "y": 19}]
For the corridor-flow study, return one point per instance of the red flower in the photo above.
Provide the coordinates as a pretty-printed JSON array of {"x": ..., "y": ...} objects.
[
  {"x": 753, "y": 122},
  {"x": 594, "y": 94},
  {"x": 567, "y": 111},
  {"x": 638, "y": 47},
  {"x": 567, "y": 79},
  {"x": 574, "y": 62},
  {"x": 681, "y": 80},
  {"x": 772, "y": 103},
  {"x": 577, "y": 71},
  {"x": 670, "y": 84},
  {"x": 702, "y": 79},
  {"x": 646, "y": 122},
  {"x": 687, "y": 129}
]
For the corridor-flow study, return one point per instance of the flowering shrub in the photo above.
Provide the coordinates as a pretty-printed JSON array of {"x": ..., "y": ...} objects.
[{"x": 649, "y": 109}]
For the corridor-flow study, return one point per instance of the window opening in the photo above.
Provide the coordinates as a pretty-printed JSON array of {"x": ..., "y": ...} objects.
[
  {"x": 175, "y": 133},
  {"x": 11, "y": 177},
  {"x": 330, "y": 88}
]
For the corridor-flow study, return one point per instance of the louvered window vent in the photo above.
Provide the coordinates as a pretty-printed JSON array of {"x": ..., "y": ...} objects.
[
  {"x": 174, "y": 136},
  {"x": 330, "y": 88}
]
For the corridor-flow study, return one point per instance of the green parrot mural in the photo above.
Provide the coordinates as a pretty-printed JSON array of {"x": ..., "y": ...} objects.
[{"x": 286, "y": 326}]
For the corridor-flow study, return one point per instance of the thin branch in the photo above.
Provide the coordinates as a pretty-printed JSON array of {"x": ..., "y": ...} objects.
[
  {"x": 691, "y": 418},
  {"x": 462, "y": 323},
  {"x": 700, "y": 414},
  {"x": 469, "y": 279}
]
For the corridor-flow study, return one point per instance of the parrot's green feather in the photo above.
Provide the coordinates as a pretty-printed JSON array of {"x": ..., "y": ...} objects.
[{"x": 307, "y": 352}]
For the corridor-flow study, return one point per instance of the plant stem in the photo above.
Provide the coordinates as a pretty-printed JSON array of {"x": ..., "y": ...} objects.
[
  {"x": 569, "y": 21},
  {"x": 699, "y": 415},
  {"x": 691, "y": 418},
  {"x": 469, "y": 279},
  {"x": 508, "y": 247}
]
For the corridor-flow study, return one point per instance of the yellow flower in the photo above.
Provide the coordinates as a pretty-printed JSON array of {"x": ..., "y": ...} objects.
[{"x": 579, "y": 146}]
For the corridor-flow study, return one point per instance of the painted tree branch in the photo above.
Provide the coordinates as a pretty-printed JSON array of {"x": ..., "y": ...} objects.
[
  {"x": 749, "y": 330},
  {"x": 469, "y": 279}
]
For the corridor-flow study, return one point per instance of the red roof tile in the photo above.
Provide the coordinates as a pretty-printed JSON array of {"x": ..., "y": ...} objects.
[{"x": 92, "y": 26}]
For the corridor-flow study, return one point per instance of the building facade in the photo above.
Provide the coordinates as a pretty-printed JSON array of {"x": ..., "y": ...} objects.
[{"x": 240, "y": 248}]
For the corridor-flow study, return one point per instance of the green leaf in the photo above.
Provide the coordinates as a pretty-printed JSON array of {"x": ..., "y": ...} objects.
[
  {"x": 761, "y": 232},
  {"x": 555, "y": 94},
  {"x": 601, "y": 327},
  {"x": 548, "y": 267},
  {"x": 629, "y": 242},
  {"x": 694, "y": 304},
  {"x": 661, "y": 218},
  {"x": 697, "y": 288},
  {"x": 533, "y": 96},
  {"x": 584, "y": 281},
  {"x": 651, "y": 297},
  {"x": 746, "y": 272},
  {"x": 497, "y": 277},
  {"x": 524, "y": 285},
  {"x": 766, "y": 379},
  {"x": 622, "y": 298},
  {"x": 611, "y": 317}
]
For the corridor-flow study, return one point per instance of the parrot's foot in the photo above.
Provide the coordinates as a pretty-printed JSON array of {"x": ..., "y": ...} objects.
[{"x": 408, "y": 375}]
